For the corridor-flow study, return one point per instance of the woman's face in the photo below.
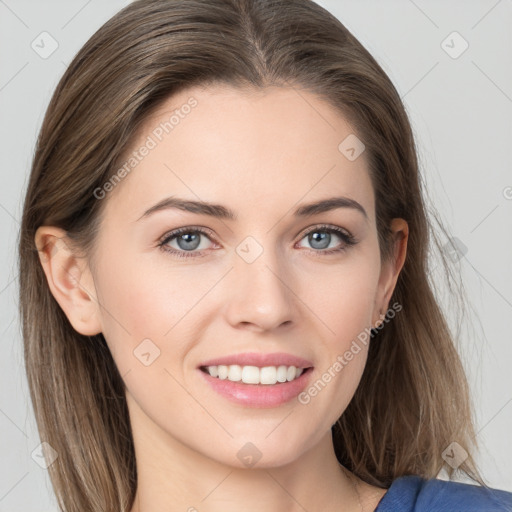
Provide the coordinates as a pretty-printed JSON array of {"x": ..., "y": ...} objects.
[{"x": 262, "y": 281}]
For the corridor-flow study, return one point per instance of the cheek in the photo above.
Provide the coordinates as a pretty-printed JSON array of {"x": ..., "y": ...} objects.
[
  {"x": 342, "y": 296},
  {"x": 144, "y": 314},
  {"x": 145, "y": 300},
  {"x": 344, "y": 307}
]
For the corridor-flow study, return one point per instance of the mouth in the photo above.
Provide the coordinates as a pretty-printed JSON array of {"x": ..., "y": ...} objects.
[
  {"x": 254, "y": 379},
  {"x": 257, "y": 387},
  {"x": 255, "y": 375}
]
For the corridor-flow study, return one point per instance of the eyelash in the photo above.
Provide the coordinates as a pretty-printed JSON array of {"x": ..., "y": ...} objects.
[{"x": 347, "y": 238}]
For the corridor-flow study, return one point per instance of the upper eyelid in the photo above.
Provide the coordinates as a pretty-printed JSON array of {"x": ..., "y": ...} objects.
[
  {"x": 188, "y": 229},
  {"x": 326, "y": 227}
]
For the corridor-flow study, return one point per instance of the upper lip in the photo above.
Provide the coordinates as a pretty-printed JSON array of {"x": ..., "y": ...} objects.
[{"x": 260, "y": 360}]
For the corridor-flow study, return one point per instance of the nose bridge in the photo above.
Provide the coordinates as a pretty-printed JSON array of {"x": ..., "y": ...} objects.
[{"x": 260, "y": 293}]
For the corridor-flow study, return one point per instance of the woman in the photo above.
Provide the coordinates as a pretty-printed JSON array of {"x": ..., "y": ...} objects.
[{"x": 223, "y": 275}]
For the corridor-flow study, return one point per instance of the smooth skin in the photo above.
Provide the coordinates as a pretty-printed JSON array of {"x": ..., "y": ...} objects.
[{"x": 262, "y": 154}]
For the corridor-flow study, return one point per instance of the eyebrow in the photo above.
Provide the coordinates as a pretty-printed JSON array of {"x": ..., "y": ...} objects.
[{"x": 222, "y": 212}]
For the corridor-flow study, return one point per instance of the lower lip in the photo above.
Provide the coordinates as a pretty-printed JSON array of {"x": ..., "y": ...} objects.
[{"x": 258, "y": 395}]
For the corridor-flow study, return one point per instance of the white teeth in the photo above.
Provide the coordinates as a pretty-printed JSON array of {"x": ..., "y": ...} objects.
[
  {"x": 255, "y": 375},
  {"x": 235, "y": 373},
  {"x": 282, "y": 371},
  {"x": 290, "y": 374},
  {"x": 268, "y": 375},
  {"x": 223, "y": 371},
  {"x": 251, "y": 375}
]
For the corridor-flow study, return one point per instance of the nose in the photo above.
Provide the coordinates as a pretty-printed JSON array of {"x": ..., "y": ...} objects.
[{"x": 260, "y": 294}]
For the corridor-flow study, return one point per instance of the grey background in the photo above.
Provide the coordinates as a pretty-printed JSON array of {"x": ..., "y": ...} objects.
[{"x": 461, "y": 111}]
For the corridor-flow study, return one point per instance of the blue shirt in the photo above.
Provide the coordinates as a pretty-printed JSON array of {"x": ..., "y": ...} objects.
[{"x": 414, "y": 494}]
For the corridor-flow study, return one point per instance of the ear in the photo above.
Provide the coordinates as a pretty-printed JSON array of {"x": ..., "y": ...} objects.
[
  {"x": 69, "y": 279},
  {"x": 390, "y": 269}
]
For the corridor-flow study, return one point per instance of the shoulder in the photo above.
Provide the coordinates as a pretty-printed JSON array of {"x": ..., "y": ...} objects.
[{"x": 414, "y": 494}]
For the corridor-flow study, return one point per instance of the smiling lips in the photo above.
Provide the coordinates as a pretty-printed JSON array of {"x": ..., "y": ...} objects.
[{"x": 258, "y": 380}]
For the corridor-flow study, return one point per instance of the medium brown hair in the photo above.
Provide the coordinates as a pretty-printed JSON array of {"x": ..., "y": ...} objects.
[{"x": 413, "y": 398}]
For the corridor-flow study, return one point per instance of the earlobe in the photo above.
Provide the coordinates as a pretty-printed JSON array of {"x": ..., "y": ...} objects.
[{"x": 69, "y": 279}]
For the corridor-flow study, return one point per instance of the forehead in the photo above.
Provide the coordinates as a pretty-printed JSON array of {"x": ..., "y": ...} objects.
[{"x": 271, "y": 148}]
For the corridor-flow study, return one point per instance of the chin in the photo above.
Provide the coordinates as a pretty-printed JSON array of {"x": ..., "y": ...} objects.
[{"x": 262, "y": 452}]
